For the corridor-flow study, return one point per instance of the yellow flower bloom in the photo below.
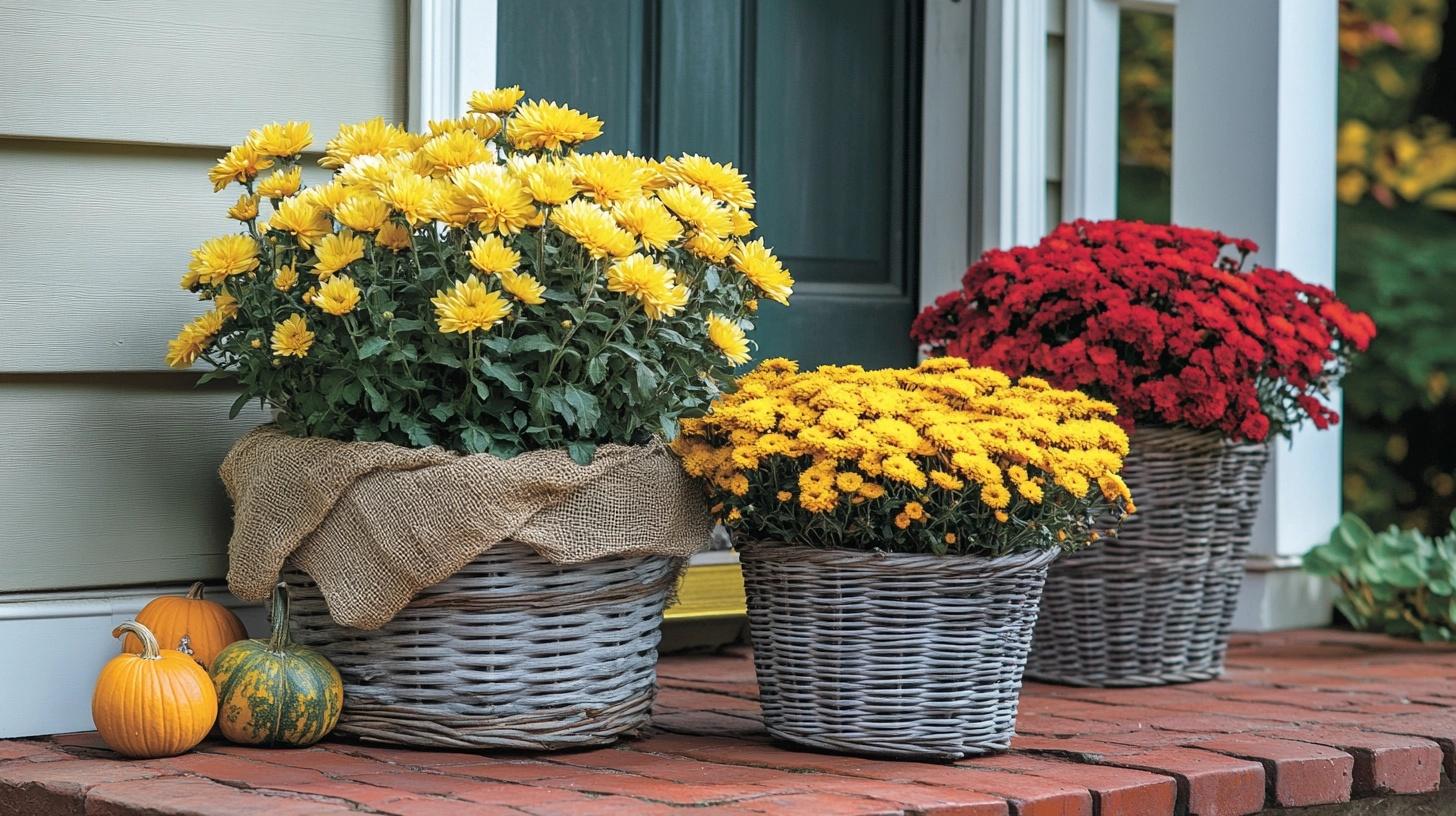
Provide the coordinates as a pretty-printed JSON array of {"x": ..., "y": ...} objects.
[
  {"x": 281, "y": 183},
  {"x": 593, "y": 228},
  {"x": 1002, "y": 516},
  {"x": 902, "y": 521},
  {"x": 607, "y": 177},
  {"x": 649, "y": 220},
  {"x": 652, "y": 284},
  {"x": 547, "y": 125},
  {"x": 281, "y": 139},
  {"x": 722, "y": 181},
  {"x": 302, "y": 220},
  {"x": 488, "y": 195},
  {"x": 950, "y": 538},
  {"x": 453, "y": 150},
  {"x": 491, "y": 255},
  {"x": 758, "y": 264},
  {"x": 742, "y": 223},
  {"x": 337, "y": 251},
  {"x": 241, "y": 164},
  {"x": 522, "y": 287},
  {"x": 223, "y": 257},
  {"x": 286, "y": 278},
  {"x": 371, "y": 138},
  {"x": 188, "y": 345},
  {"x": 338, "y": 295},
  {"x": 549, "y": 182},
  {"x": 783, "y": 495},
  {"x": 393, "y": 236},
  {"x": 485, "y": 127},
  {"x": 698, "y": 209},
  {"x": 915, "y": 510},
  {"x": 411, "y": 195},
  {"x": 245, "y": 210},
  {"x": 708, "y": 248},
  {"x": 362, "y": 213},
  {"x": 469, "y": 307},
  {"x": 291, "y": 338},
  {"x": 729, "y": 338},
  {"x": 499, "y": 100}
]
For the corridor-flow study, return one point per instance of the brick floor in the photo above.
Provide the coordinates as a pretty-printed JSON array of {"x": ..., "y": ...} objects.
[{"x": 1300, "y": 719}]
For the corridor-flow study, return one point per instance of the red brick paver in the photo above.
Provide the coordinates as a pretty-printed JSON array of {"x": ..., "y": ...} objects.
[{"x": 1300, "y": 719}]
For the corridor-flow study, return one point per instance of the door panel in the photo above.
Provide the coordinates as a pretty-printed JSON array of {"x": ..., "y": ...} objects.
[{"x": 815, "y": 100}]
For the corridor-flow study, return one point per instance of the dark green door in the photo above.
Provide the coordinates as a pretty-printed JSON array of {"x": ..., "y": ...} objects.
[{"x": 815, "y": 100}]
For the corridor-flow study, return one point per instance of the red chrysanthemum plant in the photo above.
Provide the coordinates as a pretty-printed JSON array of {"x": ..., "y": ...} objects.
[{"x": 1171, "y": 324}]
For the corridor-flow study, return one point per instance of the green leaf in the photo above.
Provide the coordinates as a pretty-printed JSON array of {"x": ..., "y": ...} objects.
[
  {"x": 406, "y": 324},
  {"x": 646, "y": 380},
  {"x": 377, "y": 400},
  {"x": 581, "y": 452},
  {"x": 442, "y": 411},
  {"x": 531, "y": 342},
  {"x": 445, "y": 357},
  {"x": 475, "y": 439},
  {"x": 596, "y": 370},
  {"x": 588, "y": 410},
  {"x": 243, "y": 399},
  {"x": 500, "y": 372},
  {"x": 372, "y": 346}
]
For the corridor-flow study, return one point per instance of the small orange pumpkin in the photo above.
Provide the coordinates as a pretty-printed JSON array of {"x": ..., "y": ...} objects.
[
  {"x": 189, "y": 623},
  {"x": 158, "y": 703}
]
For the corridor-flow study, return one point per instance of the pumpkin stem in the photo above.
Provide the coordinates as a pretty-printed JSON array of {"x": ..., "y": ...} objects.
[
  {"x": 195, "y": 592},
  {"x": 280, "y": 639},
  {"x": 150, "y": 649}
]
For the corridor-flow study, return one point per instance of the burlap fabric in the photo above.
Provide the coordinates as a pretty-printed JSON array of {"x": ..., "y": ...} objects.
[{"x": 374, "y": 523}]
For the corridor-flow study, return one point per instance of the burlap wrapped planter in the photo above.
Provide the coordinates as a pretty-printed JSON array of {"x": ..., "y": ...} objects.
[
  {"x": 894, "y": 655},
  {"x": 1154, "y": 605}
]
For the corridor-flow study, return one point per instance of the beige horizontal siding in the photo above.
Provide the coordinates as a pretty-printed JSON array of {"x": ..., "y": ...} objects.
[
  {"x": 182, "y": 72},
  {"x": 113, "y": 481}
]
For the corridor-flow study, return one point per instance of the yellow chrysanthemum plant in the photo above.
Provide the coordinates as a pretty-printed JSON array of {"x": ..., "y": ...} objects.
[
  {"x": 484, "y": 286},
  {"x": 942, "y": 458}
]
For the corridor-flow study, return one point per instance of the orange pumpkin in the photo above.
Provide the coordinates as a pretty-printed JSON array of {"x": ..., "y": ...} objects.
[
  {"x": 157, "y": 703},
  {"x": 190, "y": 624}
]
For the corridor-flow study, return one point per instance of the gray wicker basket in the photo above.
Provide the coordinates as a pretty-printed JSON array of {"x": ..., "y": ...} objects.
[
  {"x": 1154, "y": 605},
  {"x": 511, "y": 652},
  {"x": 896, "y": 655}
]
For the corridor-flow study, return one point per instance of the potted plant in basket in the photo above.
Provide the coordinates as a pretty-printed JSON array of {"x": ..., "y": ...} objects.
[
  {"x": 895, "y": 527},
  {"x": 1211, "y": 359},
  {"x": 476, "y": 340}
]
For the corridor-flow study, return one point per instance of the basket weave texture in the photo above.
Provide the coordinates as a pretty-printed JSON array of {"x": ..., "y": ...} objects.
[
  {"x": 512, "y": 651},
  {"x": 1155, "y": 604},
  {"x": 898, "y": 655}
]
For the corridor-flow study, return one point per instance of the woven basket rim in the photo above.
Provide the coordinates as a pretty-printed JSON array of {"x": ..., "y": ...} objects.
[{"x": 769, "y": 550}]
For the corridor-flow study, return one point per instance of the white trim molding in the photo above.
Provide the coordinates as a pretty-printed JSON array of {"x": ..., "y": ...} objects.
[
  {"x": 452, "y": 52},
  {"x": 1010, "y": 121},
  {"x": 945, "y": 148},
  {"x": 1089, "y": 141}
]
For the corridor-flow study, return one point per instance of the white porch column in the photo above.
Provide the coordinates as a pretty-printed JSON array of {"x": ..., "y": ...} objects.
[{"x": 1254, "y": 88}]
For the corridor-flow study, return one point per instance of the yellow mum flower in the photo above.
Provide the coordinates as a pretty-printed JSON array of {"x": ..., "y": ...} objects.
[
  {"x": 491, "y": 255},
  {"x": 698, "y": 209},
  {"x": 488, "y": 195},
  {"x": 593, "y": 228},
  {"x": 729, "y": 338},
  {"x": 499, "y": 100},
  {"x": 758, "y": 264},
  {"x": 995, "y": 496},
  {"x": 371, "y": 138},
  {"x": 900, "y": 468},
  {"x": 362, "y": 213},
  {"x": 338, "y": 295},
  {"x": 870, "y": 490},
  {"x": 302, "y": 220},
  {"x": 291, "y": 338},
  {"x": 245, "y": 210},
  {"x": 915, "y": 510},
  {"x": 241, "y": 164},
  {"x": 337, "y": 251},
  {"x": 286, "y": 278},
  {"x": 902, "y": 520},
  {"x": 742, "y": 223},
  {"x": 411, "y": 195},
  {"x": 548, "y": 182},
  {"x": 484, "y": 127},
  {"x": 607, "y": 177},
  {"x": 709, "y": 248},
  {"x": 523, "y": 287},
  {"x": 649, "y": 220},
  {"x": 547, "y": 125},
  {"x": 1002, "y": 516},
  {"x": 453, "y": 150},
  {"x": 281, "y": 183},
  {"x": 723, "y": 181},
  {"x": 849, "y": 481},
  {"x": 651, "y": 283},
  {"x": 393, "y": 236},
  {"x": 469, "y": 307},
  {"x": 188, "y": 345},
  {"x": 281, "y": 139},
  {"x": 329, "y": 197},
  {"x": 222, "y": 257}
]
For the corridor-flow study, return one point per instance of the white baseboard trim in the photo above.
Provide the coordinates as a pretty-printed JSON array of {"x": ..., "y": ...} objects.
[
  {"x": 1277, "y": 595},
  {"x": 65, "y": 638}
]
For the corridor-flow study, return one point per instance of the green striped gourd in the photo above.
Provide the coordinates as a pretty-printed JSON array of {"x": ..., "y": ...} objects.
[{"x": 273, "y": 692}]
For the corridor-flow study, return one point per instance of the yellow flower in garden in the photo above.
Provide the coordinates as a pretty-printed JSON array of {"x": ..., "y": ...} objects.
[
  {"x": 291, "y": 338},
  {"x": 411, "y": 195},
  {"x": 371, "y": 138},
  {"x": 902, "y": 521},
  {"x": 722, "y": 181},
  {"x": 709, "y": 248},
  {"x": 697, "y": 209},
  {"x": 915, "y": 510},
  {"x": 286, "y": 277},
  {"x": 648, "y": 219},
  {"x": 653, "y": 284},
  {"x": 451, "y": 151},
  {"x": 488, "y": 195},
  {"x": 491, "y": 255},
  {"x": 484, "y": 127},
  {"x": 245, "y": 210},
  {"x": 499, "y": 100},
  {"x": 742, "y": 223},
  {"x": 188, "y": 345},
  {"x": 337, "y": 251},
  {"x": 729, "y": 338},
  {"x": 522, "y": 287},
  {"x": 281, "y": 139},
  {"x": 607, "y": 177},
  {"x": 222, "y": 257},
  {"x": 302, "y": 220},
  {"x": 225, "y": 306},
  {"x": 241, "y": 164},
  {"x": 362, "y": 213},
  {"x": 758, "y": 264},
  {"x": 468, "y": 307},
  {"x": 593, "y": 228},
  {"x": 338, "y": 295},
  {"x": 281, "y": 183},
  {"x": 329, "y": 197},
  {"x": 548, "y": 182},
  {"x": 393, "y": 236},
  {"x": 549, "y": 126},
  {"x": 783, "y": 495}
]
